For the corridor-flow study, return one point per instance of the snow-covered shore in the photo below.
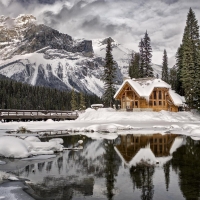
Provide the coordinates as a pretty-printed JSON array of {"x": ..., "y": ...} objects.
[
  {"x": 102, "y": 123},
  {"x": 105, "y": 116}
]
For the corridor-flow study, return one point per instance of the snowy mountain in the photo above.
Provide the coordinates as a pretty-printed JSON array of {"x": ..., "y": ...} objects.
[{"x": 39, "y": 55}]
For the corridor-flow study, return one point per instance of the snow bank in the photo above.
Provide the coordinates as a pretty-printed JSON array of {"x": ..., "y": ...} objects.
[
  {"x": 47, "y": 146},
  {"x": 12, "y": 147},
  {"x": 103, "y": 128},
  {"x": 32, "y": 139},
  {"x": 109, "y": 114},
  {"x": 57, "y": 140},
  {"x": 106, "y": 128}
]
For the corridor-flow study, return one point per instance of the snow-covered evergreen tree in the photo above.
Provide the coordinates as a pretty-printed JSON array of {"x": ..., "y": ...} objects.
[
  {"x": 179, "y": 57},
  {"x": 134, "y": 65},
  {"x": 190, "y": 73},
  {"x": 165, "y": 72},
  {"x": 142, "y": 63},
  {"x": 109, "y": 76},
  {"x": 173, "y": 78},
  {"x": 147, "y": 55}
]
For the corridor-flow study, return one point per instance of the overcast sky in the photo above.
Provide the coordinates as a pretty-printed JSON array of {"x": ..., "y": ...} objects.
[{"x": 124, "y": 20}]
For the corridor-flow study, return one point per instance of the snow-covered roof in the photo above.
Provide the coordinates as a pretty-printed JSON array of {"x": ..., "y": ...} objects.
[
  {"x": 176, "y": 98},
  {"x": 144, "y": 87}
]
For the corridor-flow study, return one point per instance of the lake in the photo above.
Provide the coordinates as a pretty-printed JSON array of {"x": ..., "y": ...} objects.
[{"x": 107, "y": 169}]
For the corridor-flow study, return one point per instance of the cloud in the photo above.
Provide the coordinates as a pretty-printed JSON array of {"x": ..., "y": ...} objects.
[{"x": 124, "y": 20}]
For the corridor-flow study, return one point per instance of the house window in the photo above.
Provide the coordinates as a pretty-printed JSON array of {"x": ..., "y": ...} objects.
[
  {"x": 164, "y": 103},
  {"x": 150, "y": 103},
  {"x": 154, "y": 103},
  {"x": 136, "y": 104},
  {"x": 154, "y": 94},
  {"x": 160, "y": 103},
  {"x": 160, "y": 95}
]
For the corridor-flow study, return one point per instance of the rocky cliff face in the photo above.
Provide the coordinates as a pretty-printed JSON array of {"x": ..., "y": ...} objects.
[{"x": 39, "y": 55}]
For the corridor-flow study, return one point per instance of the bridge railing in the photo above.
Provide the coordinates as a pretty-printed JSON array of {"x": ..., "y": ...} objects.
[{"x": 46, "y": 114}]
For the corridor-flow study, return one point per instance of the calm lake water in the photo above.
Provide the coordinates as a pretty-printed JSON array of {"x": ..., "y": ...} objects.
[{"x": 100, "y": 170}]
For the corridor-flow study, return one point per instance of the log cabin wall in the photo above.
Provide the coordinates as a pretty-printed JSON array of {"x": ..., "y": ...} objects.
[
  {"x": 129, "y": 98},
  {"x": 159, "y": 99}
]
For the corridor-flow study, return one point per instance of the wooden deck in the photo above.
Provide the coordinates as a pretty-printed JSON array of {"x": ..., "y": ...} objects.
[{"x": 23, "y": 115}]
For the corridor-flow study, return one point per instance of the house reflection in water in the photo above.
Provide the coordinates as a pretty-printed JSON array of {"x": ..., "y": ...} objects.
[{"x": 155, "y": 145}]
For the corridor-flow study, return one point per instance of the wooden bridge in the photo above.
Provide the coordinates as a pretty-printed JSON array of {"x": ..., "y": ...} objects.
[{"x": 23, "y": 115}]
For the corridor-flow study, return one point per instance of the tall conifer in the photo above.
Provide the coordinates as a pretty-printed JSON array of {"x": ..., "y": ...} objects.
[
  {"x": 142, "y": 63},
  {"x": 165, "y": 73},
  {"x": 146, "y": 69},
  {"x": 190, "y": 60},
  {"x": 109, "y": 76},
  {"x": 148, "y": 72},
  {"x": 134, "y": 65},
  {"x": 173, "y": 79}
]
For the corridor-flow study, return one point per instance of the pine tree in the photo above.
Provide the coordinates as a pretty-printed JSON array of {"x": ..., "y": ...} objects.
[
  {"x": 73, "y": 100},
  {"x": 134, "y": 65},
  {"x": 165, "y": 73},
  {"x": 82, "y": 101},
  {"x": 142, "y": 63},
  {"x": 190, "y": 60},
  {"x": 173, "y": 78},
  {"x": 109, "y": 76},
  {"x": 146, "y": 56},
  {"x": 179, "y": 57}
]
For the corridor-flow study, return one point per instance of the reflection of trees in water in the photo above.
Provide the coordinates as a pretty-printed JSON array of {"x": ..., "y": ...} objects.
[
  {"x": 41, "y": 166},
  {"x": 142, "y": 178},
  {"x": 49, "y": 166},
  {"x": 111, "y": 168},
  {"x": 60, "y": 163},
  {"x": 186, "y": 161},
  {"x": 166, "y": 168}
]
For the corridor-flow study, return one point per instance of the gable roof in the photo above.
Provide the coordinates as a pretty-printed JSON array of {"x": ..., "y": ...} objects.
[{"x": 145, "y": 86}]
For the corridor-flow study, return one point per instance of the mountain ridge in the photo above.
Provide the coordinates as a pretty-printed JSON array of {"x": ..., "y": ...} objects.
[{"x": 39, "y": 55}]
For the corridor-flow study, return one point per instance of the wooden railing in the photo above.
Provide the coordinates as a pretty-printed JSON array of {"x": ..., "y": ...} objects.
[{"x": 13, "y": 114}]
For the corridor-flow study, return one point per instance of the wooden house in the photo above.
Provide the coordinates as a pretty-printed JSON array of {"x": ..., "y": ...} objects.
[{"x": 148, "y": 94}]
